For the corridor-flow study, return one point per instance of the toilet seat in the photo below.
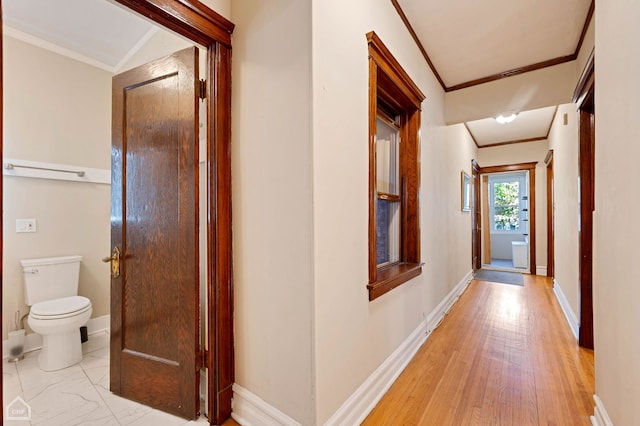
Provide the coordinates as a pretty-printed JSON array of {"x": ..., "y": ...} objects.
[{"x": 60, "y": 308}]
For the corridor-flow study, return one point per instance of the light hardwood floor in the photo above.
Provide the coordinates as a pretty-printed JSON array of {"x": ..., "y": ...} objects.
[{"x": 504, "y": 355}]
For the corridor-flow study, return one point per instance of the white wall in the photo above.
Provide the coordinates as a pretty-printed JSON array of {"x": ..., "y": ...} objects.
[
  {"x": 223, "y": 7},
  {"x": 616, "y": 275},
  {"x": 354, "y": 336},
  {"x": 526, "y": 153},
  {"x": 160, "y": 44},
  {"x": 531, "y": 90},
  {"x": 563, "y": 140},
  {"x": 501, "y": 247},
  {"x": 272, "y": 203},
  {"x": 56, "y": 110},
  {"x": 585, "y": 50},
  {"x": 306, "y": 335}
]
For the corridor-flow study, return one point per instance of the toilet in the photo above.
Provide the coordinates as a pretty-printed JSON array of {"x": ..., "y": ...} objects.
[{"x": 57, "y": 312}]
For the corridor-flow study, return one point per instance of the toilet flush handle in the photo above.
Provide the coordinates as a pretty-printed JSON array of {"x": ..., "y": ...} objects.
[{"x": 115, "y": 262}]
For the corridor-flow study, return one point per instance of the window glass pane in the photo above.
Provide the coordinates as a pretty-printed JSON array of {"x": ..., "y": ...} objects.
[
  {"x": 388, "y": 231},
  {"x": 507, "y": 218},
  {"x": 387, "y": 157},
  {"x": 506, "y": 203}
]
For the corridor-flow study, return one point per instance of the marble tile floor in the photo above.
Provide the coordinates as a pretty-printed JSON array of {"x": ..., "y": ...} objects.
[{"x": 78, "y": 395}]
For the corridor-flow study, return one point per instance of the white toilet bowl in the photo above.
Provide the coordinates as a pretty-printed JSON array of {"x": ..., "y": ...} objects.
[{"x": 58, "y": 321}]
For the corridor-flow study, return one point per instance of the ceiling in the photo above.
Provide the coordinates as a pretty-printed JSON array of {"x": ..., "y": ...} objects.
[
  {"x": 465, "y": 42},
  {"x": 529, "y": 126},
  {"x": 470, "y": 42},
  {"x": 107, "y": 42}
]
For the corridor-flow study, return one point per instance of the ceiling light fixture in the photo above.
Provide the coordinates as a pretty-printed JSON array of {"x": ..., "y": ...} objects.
[{"x": 504, "y": 119}]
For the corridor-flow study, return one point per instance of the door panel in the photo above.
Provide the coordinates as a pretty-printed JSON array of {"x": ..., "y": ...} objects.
[
  {"x": 155, "y": 300},
  {"x": 586, "y": 163},
  {"x": 476, "y": 229},
  {"x": 550, "y": 216}
]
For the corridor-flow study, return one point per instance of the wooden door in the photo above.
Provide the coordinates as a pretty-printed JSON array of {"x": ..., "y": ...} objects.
[
  {"x": 476, "y": 229},
  {"x": 154, "y": 214},
  {"x": 550, "y": 216},
  {"x": 587, "y": 205}
]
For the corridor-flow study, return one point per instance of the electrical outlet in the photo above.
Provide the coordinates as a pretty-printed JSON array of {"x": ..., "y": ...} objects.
[{"x": 25, "y": 225}]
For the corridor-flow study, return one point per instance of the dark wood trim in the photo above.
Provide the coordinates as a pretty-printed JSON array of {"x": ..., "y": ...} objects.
[
  {"x": 373, "y": 115},
  {"x": 540, "y": 138},
  {"x": 413, "y": 34},
  {"x": 476, "y": 218},
  {"x": 585, "y": 27},
  {"x": 391, "y": 87},
  {"x": 1, "y": 175},
  {"x": 221, "y": 364},
  {"x": 471, "y": 134},
  {"x": 548, "y": 158},
  {"x": 531, "y": 167},
  {"x": 550, "y": 216},
  {"x": 500, "y": 75},
  {"x": 392, "y": 68},
  {"x": 553, "y": 119},
  {"x": 189, "y": 18},
  {"x": 585, "y": 81},
  {"x": 512, "y": 72},
  {"x": 508, "y": 168},
  {"x": 392, "y": 277},
  {"x": 586, "y": 171},
  {"x": 389, "y": 197},
  {"x": 532, "y": 220}
]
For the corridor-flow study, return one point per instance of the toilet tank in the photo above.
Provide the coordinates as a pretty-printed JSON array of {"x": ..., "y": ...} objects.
[{"x": 50, "y": 278}]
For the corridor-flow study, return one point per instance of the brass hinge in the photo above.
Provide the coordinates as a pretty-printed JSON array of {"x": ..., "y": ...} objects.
[
  {"x": 202, "y": 89},
  {"x": 204, "y": 355}
]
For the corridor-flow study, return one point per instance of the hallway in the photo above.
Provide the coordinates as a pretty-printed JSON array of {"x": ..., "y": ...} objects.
[{"x": 504, "y": 355}]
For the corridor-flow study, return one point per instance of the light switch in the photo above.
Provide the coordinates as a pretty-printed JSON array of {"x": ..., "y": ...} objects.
[{"x": 25, "y": 225}]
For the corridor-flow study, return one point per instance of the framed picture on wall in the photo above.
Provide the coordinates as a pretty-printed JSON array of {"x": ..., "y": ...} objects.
[{"x": 464, "y": 191}]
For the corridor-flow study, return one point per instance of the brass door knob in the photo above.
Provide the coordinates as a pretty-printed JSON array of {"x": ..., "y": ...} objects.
[{"x": 114, "y": 259}]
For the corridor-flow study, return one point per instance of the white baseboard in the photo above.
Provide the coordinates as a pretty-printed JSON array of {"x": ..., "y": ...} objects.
[
  {"x": 33, "y": 341},
  {"x": 600, "y": 416},
  {"x": 356, "y": 408},
  {"x": 98, "y": 324},
  {"x": 249, "y": 409},
  {"x": 541, "y": 270},
  {"x": 566, "y": 308}
]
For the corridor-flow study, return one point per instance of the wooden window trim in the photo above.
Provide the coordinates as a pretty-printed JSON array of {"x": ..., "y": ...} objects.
[{"x": 393, "y": 93}]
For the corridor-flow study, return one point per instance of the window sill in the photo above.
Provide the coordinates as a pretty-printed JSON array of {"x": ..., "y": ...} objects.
[{"x": 391, "y": 277}]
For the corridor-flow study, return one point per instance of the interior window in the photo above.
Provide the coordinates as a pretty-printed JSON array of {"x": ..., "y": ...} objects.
[
  {"x": 508, "y": 203},
  {"x": 388, "y": 190},
  {"x": 394, "y": 172}
]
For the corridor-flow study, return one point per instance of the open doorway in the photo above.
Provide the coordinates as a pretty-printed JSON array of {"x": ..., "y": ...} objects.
[
  {"x": 507, "y": 211},
  {"x": 198, "y": 25},
  {"x": 507, "y": 220}
]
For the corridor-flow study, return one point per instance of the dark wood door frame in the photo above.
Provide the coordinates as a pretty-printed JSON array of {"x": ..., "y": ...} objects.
[
  {"x": 1, "y": 175},
  {"x": 476, "y": 227},
  {"x": 531, "y": 168},
  {"x": 550, "y": 219},
  {"x": 584, "y": 97},
  {"x": 200, "y": 24}
]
